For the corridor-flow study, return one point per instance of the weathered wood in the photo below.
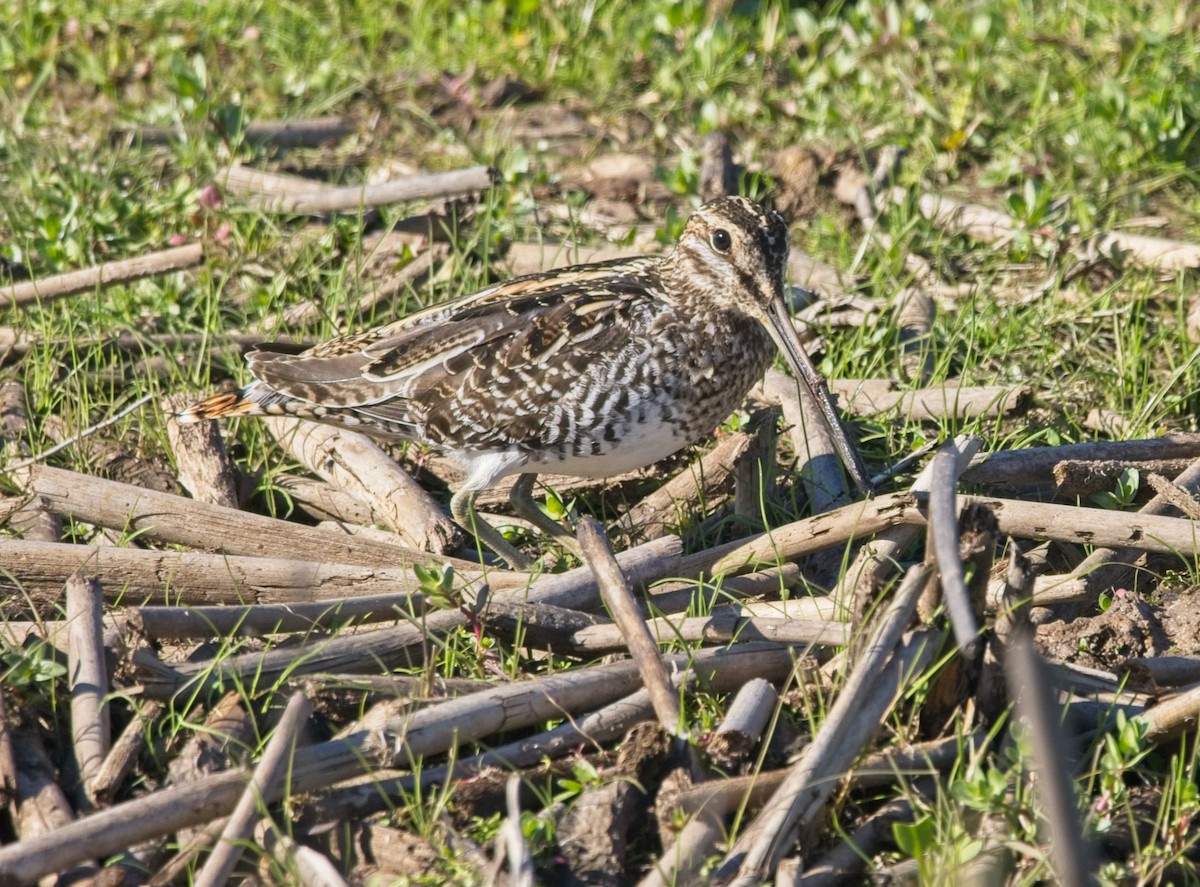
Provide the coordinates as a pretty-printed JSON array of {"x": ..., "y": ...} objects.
[
  {"x": 719, "y": 628},
  {"x": 303, "y": 132},
  {"x": 178, "y": 520},
  {"x": 201, "y": 461},
  {"x": 355, "y": 464},
  {"x": 91, "y": 729},
  {"x": 1036, "y": 464},
  {"x": 352, "y": 198},
  {"x": 121, "y": 271},
  {"x": 870, "y": 397},
  {"x": 124, "y": 753}
]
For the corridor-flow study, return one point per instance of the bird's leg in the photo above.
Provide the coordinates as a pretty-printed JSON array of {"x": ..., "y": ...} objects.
[
  {"x": 462, "y": 509},
  {"x": 521, "y": 498}
]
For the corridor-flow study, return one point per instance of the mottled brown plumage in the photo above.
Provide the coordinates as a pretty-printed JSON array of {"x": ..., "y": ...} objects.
[{"x": 591, "y": 370}]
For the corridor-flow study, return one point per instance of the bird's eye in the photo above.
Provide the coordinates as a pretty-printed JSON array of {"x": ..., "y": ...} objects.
[{"x": 721, "y": 240}]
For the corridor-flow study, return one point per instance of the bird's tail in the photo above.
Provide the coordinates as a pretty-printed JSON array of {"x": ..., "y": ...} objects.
[{"x": 232, "y": 403}]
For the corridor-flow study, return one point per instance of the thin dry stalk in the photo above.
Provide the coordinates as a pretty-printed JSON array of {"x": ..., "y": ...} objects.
[
  {"x": 353, "y": 198},
  {"x": 1036, "y": 465},
  {"x": 305, "y": 132},
  {"x": 91, "y": 729},
  {"x": 201, "y": 461},
  {"x": 719, "y": 628},
  {"x": 871, "y": 397},
  {"x": 121, "y": 271},
  {"x": 617, "y": 594},
  {"x": 267, "y": 780},
  {"x": 124, "y": 752},
  {"x": 947, "y": 464},
  {"x": 851, "y": 722},
  {"x": 1177, "y": 496},
  {"x": 356, "y": 465}
]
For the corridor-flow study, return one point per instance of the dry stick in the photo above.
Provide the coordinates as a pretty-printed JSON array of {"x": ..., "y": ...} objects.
[
  {"x": 914, "y": 312},
  {"x": 862, "y": 703},
  {"x": 1173, "y": 716},
  {"x": 124, "y": 752},
  {"x": 265, "y": 619},
  {"x": 754, "y": 471},
  {"x": 121, "y": 271},
  {"x": 696, "y": 484},
  {"x": 719, "y": 628},
  {"x": 310, "y": 867},
  {"x": 17, "y": 467},
  {"x": 1029, "y": 683},
  {"x": 617, "y": 594},
  {"x": 200, "y": 458},
  {"x": 176, "y": 519},
  {"x": 870, "y": 397},
  {"x": 717, "y": 670},
  {"x": 1077, "y": 477},
  {"x": 943, "y": 530},
  {"x": 356, "y": 465},
  {"x": 91, "y": 730},
  {"x": 819, "y": 465},
  {"x": 1152, "y": 672},
  {"x": 390, "y": 647},
  {"x": 352, "y": 198},
  {"x": 304, "y": 132},
  {"x": 324, "y": 501},
  {"x": 266, "y": 781},
  {"x": 1036, "y": 465},
  {"x": 261, "y": 185},
  {"x": 1180, "y": 498}
]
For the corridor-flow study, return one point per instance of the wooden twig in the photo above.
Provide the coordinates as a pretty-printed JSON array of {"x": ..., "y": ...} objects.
[
  {"x": 311, "y": 867},
  {"x": 1173, "y": 716},
  {"x": 1177, "y": 496},
  {"x": 267, "y": 780},
  {"x": 124, "y": 752},
  {"x": 914, "y": 312},
  {"x": 265, "y": 619},
  {"x": 1077, "y": 477},
  {"x": 743, "y": 724},
  {"x": 944, "y": 535},
  {"x": 850, "y": 723},
  {"x": 870, "y": 397},
  {"x": 1029, "y": 687},
  {"x": 356, "y": 465},
  {"x": 1036, "y": 465},
  {"x": 618, "y": 595},
  {"x": 719, "y": 628},
  {"x": 352, "y": 198},
  {"x": 91, "y": 730},
  {"x": 17, "y": 467},
  {"x": 306, "y": 132},
  {"x": 819, "y": 465},
  {"x": 1152, "y": 672},
  {"x": 846, "y": 862},
  {"x": 178, "y": 520},
  {"x": 121, "y": 271},
  {"x": 324, "y": 501},
  {"x": 718, "y": 175},
  {"x": 524, "y": 257}
]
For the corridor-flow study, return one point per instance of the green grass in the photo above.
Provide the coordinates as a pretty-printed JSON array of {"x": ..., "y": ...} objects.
[{"x": 1080, "y": 118}]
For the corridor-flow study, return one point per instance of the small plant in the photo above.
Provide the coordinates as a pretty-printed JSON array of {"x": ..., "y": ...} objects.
[{"x": 1123, "y": 493}]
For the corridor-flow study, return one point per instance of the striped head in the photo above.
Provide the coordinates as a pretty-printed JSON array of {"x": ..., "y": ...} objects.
[{"x": 733, "y": 252}]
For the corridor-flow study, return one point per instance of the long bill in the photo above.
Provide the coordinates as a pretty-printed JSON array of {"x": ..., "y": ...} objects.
[{"x": 779, "y": 325}]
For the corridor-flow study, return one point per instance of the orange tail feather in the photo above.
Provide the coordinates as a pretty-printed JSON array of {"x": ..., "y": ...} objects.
[{"x": 217, "y": 406}]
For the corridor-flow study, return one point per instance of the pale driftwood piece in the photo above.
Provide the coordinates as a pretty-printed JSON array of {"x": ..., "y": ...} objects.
[
  {"x": 718, "y": 670},
  {"x": 121, "y": 271},
  {"x": 700, "y": 482},
  {"x": 91, "y": 728},
  {"x": 175, "y": 519},
  {"x": 846, "y": 862},
  {"x": 947, "y": 464},
  {"x": 1161, "y": 671},
  {"x": 813, "y": 609},
  {"x": 8, "y": 763},
  {"x": 355, "y": 464},
  {"x": 1029, "y": 688},
  {"x": 1077, "y": 477},
  {"x": 618, "y": 595},
  {"x": 1173, "y": 716},
  {"x": 719, "y": 628},
  {"x": 871, "y": 397},
  {"x": 1036, "y": 464},
  {"x": 914, "y": 312},
  {"x": 311, "y": 868},
  {"x": 124, "y": 752},
  {"x": 41, "y": 809},
  {"x": 524, "y": 257},
  {"x": 266, "y": 619},
  {"x": 305, "y": 132},
  {"x": 1105, "y": 567},
  {"x": 877, "y": 559},
  {"x": 977, "y": 222},
  {"x": 324, "y": 501},
  {"x": 1140, "y": 251},
  {"x": 201, "y": 461},
  {"x": 1180, "y": 498},
  {"x": 406, "y": 643},
  {"x": 851, "y": 722},
  {"x": 743, "y": 724},
  {"x": 266, "y": 779},
  {"x": 538, "y": 625},
  {"x": 352, "y": 198},
  {"x": 260, "y": 185},
  {"x": 820, "y": 467},
  {"x": 132, "y": 575}
]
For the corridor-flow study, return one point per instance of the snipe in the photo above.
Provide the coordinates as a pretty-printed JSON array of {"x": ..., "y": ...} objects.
[{"x": 593, "y": 370}]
